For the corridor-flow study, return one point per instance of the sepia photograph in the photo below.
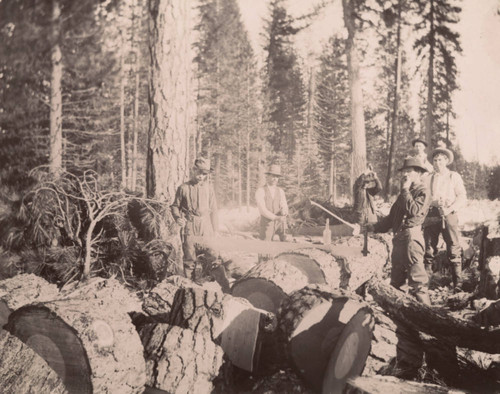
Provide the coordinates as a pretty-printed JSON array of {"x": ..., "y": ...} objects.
[{"x": 249, "y": 196}]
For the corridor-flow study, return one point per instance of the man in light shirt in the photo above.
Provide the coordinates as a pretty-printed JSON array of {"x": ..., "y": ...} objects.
[
  {"x": 448, "y": 196},
  {"x": 420, "y": 146},
  {"x": 272, "y": 205}
]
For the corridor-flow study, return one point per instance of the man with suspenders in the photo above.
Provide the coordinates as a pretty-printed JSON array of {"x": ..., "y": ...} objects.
[{"x": 448, "y": 196}]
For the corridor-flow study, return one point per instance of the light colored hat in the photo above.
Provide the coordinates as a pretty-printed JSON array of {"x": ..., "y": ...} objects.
[
  {"x": 413, "y": 162},
  {"x": 274, "y": 169},
  {"x": 202, "y": 165},
  {"x": 441, "y": 149}
]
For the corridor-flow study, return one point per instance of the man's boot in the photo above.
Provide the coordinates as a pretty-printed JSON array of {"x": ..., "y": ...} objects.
[{"x": 456, "y": 274}]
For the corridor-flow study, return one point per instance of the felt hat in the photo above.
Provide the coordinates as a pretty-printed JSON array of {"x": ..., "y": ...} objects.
[
  {"x": 419, "y": 140},
  {"x": 441, "y": 149},
  {"x": 202, "y": 165},
  {"x": 274, "y": 169},
  {"x": 413, "y": 162}
]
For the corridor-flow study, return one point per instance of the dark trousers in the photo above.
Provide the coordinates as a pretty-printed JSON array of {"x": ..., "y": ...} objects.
[
  {"x": 408, "y": 259},
  {"x": 451, "y": 236},
  {"x": 270, "y": 227}
]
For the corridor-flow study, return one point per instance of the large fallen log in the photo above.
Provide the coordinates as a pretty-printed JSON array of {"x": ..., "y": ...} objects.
[
  {"x": 340, "y": 267},
  {"x": 87, "y": 337},
  {"x": 327, "y": 335},
  {"x": 179, "y": 360},
  {"x": 22, "y": 290},
  {"x": 388, "y": 384},
  {"x": 24, "y": 371},
  {"x": 433, "y": 321}
]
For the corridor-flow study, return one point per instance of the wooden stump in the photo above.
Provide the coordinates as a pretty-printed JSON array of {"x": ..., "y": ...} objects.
[
  {"x": 22, "y": 290},
  {"x": 327, "y": 335},
  {"x": 24, "y": 371},
  {"x": 230, "y": 321},
  {"x": 388, "y": 384},
  {"x": 342, "y": 267},
  {"x": 87, "y": 338},
  {"x": 179, "y": 360}
]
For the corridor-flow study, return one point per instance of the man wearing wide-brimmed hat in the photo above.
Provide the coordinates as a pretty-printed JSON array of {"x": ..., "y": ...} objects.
[
  {"x": 448, "y": 196},
  {"x": 419, "y": 147},
  {"x": 405, "y": 219},
  {"x": 272, "y": 205},
  {"x": 195, "y": 210}
]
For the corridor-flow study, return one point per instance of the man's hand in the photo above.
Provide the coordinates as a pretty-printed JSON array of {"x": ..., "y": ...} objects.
[
  {"x": 181, "y": 222},
  {"x": 405, "y": 183}
]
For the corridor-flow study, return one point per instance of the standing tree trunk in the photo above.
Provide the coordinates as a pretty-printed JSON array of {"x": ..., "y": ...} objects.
[
  {"x": 123, "y": 161},
  {"x": 168, "y": 143},
  {"x": 358, "y": 164},
  {"x": 55, "y": 156},
  {"x": 395, "y": 106},
  {"x": 430, "y": 80}
]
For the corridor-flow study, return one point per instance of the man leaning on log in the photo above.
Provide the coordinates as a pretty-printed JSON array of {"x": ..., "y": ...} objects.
[
  {"x": 405, "y": 219},
  {"x": 195, "y": 211}
]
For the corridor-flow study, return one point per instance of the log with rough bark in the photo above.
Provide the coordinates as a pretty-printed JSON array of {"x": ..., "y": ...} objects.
[
  {"x": 24, "y": 371},
  {"x": 232, "y": 322},
  {"x": 22, "y": 290},
  {"x": 87, "y": 337},
  {"x": 433, "y": 321},
  {"x": 327, "y": 335},
  {"x": 340, "y": 267},
  {"x": 389, "y": 384},
  {"x": 180, "y": 360}
]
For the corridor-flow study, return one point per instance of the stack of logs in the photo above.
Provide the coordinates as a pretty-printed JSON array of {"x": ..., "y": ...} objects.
[{"x": 302, "y": 311}]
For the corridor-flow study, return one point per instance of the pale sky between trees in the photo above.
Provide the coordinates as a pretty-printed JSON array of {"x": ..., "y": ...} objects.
[{"x": 477, "y": 103}]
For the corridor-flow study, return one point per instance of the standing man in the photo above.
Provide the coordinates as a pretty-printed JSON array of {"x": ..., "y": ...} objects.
[
  {"x": 405, "y": 219},
  {"x": 272, "y": 205},
  {"x": 448, "y": 196},
  {"x": 420, "y": 146},
  {"x": 195, "y": 210}
]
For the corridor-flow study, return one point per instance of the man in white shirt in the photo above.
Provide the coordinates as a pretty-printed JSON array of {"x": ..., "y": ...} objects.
[
  {"x": 420, "y": 146},
  {"x": 448, "y": 196},
  {"x": 272, "y": 205}
]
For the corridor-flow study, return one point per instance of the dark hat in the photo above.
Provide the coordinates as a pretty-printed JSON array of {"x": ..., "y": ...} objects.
[
  {"x": 274, "y": 169},
  {"x": 202, "y": 165},
  {"x": 441, "y": 149},
  {"x": 413, "y": 162},
  {"x": 419, "y": 140}
]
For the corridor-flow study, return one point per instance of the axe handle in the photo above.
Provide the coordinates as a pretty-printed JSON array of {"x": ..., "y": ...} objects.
[
  {"x": 332, "y": 214},
  {"x": 365, "y": 244}
]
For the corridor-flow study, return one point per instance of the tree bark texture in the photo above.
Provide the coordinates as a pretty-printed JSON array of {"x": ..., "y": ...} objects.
[
  {"x": 24, "y": 371},
  {"x": 389, "y": 384},
  {"x": 22, "y": 290},
  {"x": 87, "y": 337},
  {"x": 327, "y": 335},
  {"x": 55, "y": 143},
  {"x": 489, "y": 261},
  {"x": 168, "y": 139},
  {"x": 358, "y": 163},
  {"x": 429, "y": 116},
  {"x": 433, "y": 321},
  {"x": 269, "y": 282},
  {"x": 180, "y": 360}
]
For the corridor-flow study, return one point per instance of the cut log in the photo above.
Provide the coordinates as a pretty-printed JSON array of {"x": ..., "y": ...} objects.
[
  {"x": 433, "y": 321},
  {"x": 87, "y": 337},
  {"x": 327, "y": 335},
  {"x": 268, "y": 283},
  {"x": 179, "y": 360},
  {"x": 22, "y": 290},
  {"x": 388, "y": 384},
  {"x": 337, "y": 230},
  {"x": 232, "y": 322},
  {"x": 24, "y": 371}
]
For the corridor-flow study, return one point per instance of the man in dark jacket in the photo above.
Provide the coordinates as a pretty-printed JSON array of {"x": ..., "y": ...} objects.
[
  {"x": 195, "y": 210},
  {"x": 405, "y": 220}
]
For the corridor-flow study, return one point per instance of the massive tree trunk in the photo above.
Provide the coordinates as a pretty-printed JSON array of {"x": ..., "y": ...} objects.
[
  {"x": 358, "y": 163},
  {"x": 327, "y": 335},
  {"x": 429, "y": 115},
  {"x": 87, "y": 337},
  {"x": 55, "y": 143},
  {"x": 433, "y": 321},
  {"x": 389, "y": 384},
  {"x": 180, "y": 360},
  {"x": 24, "y": 371},
  {"x": 341, "y": 267},
  {"x": 168, "y": 145},
  {"x": 22, "y": 290}
]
